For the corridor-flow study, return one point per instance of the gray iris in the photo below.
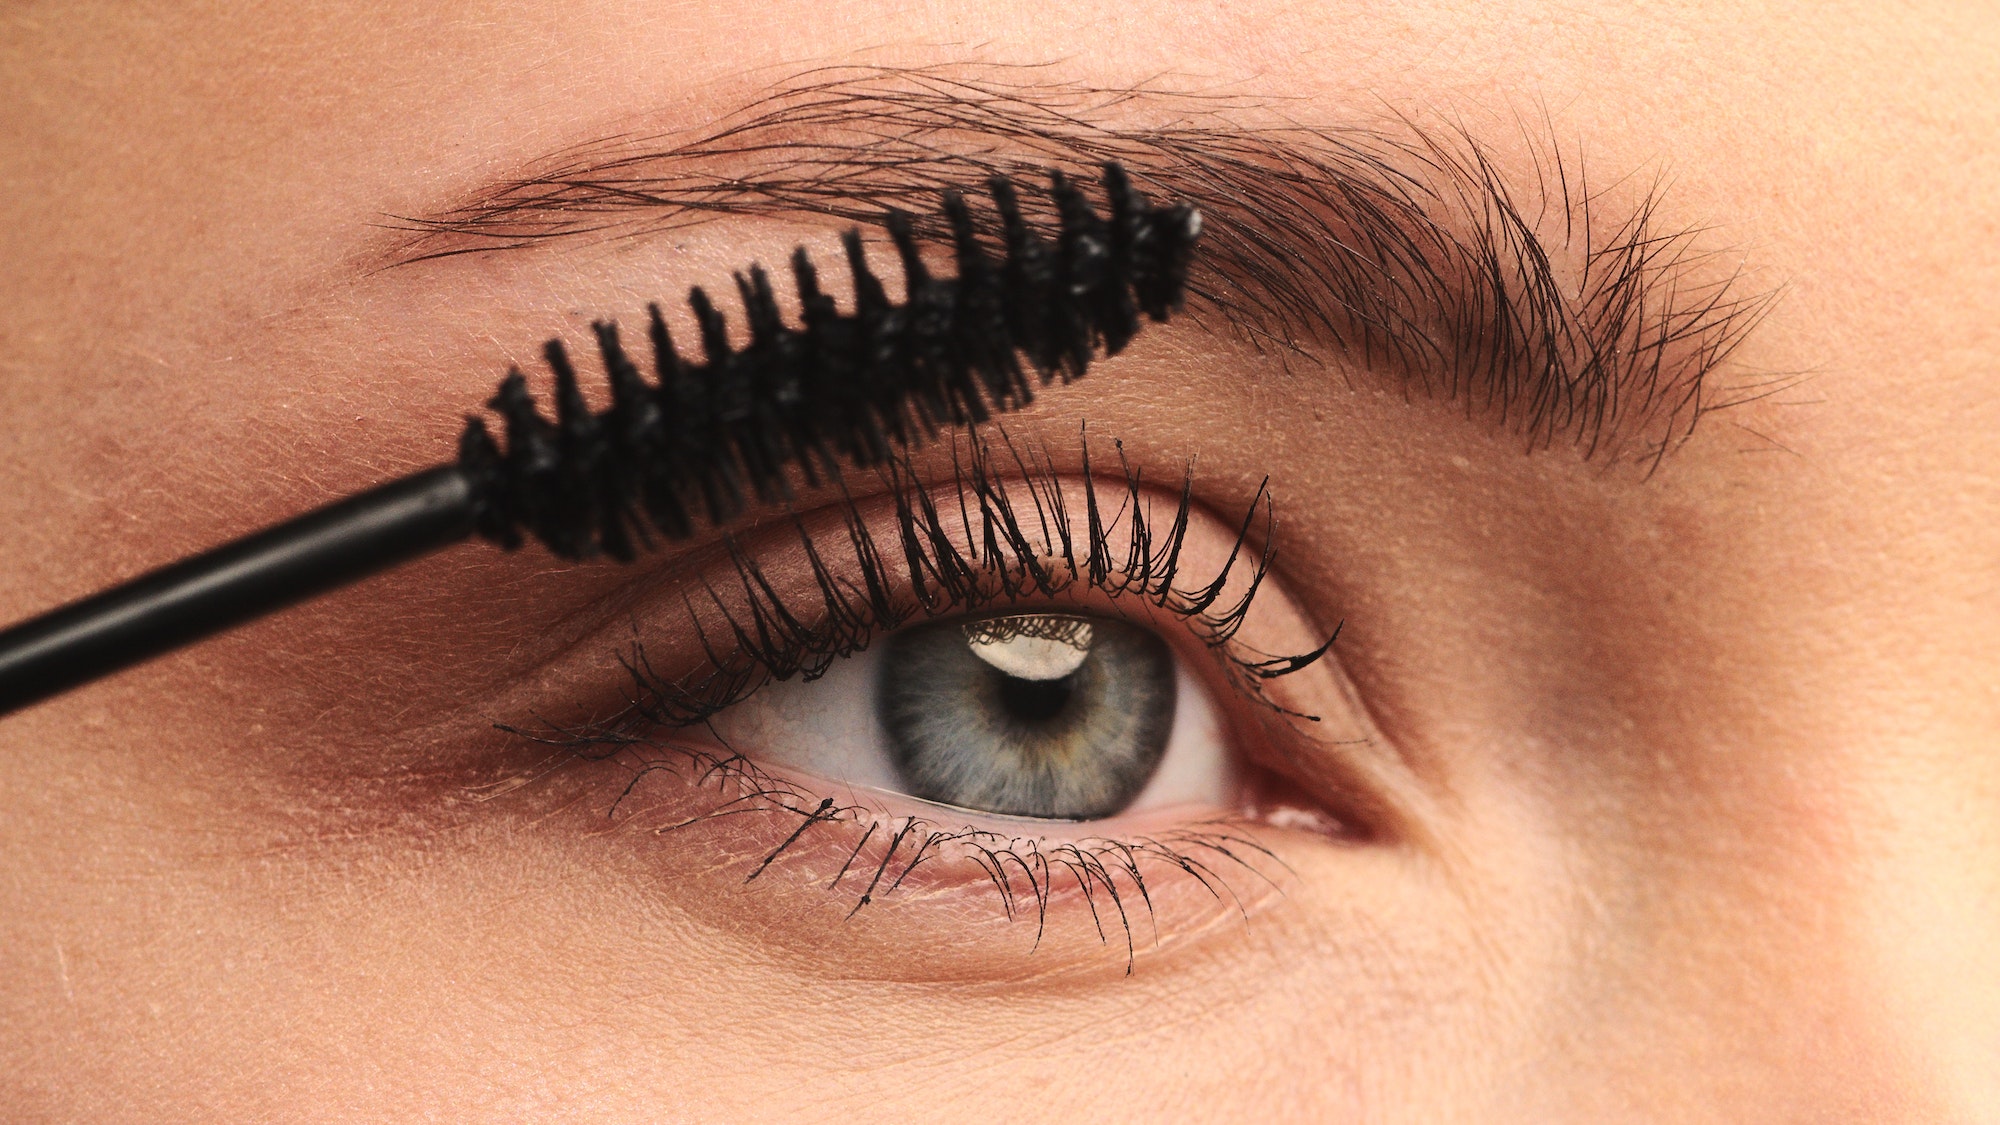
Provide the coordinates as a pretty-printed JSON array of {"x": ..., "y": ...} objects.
[{"x": 1043, "y": 715}]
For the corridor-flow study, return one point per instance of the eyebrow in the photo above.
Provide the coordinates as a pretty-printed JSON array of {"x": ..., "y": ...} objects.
[{"x": 1402, "y": 248}]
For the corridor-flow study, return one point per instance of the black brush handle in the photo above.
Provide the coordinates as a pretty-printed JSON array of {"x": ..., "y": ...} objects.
[{"x": 233, "y": 583}]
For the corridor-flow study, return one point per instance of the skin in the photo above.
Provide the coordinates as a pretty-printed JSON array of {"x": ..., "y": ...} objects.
[{"x": 1687, "y": 787}]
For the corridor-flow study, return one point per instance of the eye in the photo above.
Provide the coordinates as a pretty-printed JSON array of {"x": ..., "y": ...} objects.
[
  {"x": 998, "y": 697},
  {"x": 1053, "y": 716}
]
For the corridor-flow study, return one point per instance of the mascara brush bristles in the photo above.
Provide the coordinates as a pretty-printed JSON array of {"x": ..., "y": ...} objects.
[{"x": 840, "y": 388}]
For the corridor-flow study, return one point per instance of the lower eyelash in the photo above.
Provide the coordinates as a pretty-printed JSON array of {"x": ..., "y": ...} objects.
[
  {"x": 1121, "y": 555},
  {"x": 1023, "y": 874}
]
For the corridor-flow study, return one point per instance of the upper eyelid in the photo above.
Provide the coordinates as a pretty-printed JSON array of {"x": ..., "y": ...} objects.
[
  {"x": 1036, "y": 532},
  {"x": 1405, "y": 249}
]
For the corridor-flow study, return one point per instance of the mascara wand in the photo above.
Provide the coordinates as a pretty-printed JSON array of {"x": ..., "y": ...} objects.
[{"x": 699, "y": 440}]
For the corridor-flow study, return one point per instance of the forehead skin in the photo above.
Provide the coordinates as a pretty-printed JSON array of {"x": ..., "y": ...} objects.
[{"x": 1733, "y": 726}]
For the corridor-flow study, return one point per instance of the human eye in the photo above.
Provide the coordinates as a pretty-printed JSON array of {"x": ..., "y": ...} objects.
[{"x": 1003, "y": 688}]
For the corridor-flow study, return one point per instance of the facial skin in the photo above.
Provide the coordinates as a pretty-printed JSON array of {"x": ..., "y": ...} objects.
[{"x": 1681, "y": 785}]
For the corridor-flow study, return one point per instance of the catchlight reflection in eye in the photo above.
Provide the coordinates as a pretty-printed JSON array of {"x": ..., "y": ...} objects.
[{"x": 1045, "y": 715}]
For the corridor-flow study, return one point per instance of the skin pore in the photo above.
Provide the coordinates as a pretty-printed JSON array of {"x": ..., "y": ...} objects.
[{"x": 1678, "y": 778}]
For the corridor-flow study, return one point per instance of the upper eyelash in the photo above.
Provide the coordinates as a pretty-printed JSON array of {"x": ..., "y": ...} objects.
[{"x": 1013, "y": 553}]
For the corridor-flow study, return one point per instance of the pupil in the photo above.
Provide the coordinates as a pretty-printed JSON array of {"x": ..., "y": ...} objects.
[{"x": 1035, "y": 701}]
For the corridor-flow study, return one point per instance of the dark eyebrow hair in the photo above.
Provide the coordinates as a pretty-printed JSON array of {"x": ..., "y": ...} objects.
[{"x": 1400, "y": 247}]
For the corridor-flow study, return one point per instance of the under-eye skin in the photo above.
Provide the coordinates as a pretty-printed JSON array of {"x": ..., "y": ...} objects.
[{"x": 1045, "y": 715}]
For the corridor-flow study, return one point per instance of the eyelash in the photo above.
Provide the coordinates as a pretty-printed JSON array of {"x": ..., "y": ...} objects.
[
  {"x": 771, "y": 639},
  {"x": 1020, "y": 870},
  {"x": 1006, "y": 550}
]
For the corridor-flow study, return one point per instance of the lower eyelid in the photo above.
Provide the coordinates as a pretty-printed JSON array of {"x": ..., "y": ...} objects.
[
  {"x": 859, "y": 882},
  {"x": 957, "y": 895}
]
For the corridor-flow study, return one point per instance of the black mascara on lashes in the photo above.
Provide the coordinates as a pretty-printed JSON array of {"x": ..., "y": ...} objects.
[{"x": 698, "y": 442}]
